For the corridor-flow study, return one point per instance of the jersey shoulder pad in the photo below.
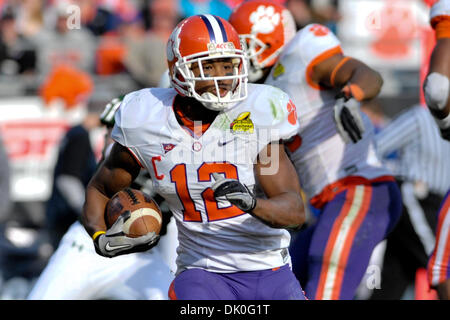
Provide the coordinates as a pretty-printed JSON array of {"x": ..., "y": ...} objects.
[
  {"x": 315, "y": 40},
  {"x": 141, "y": 113},
  {"x": 271, "y": 109},
  {"x": 143, "y": 106}
]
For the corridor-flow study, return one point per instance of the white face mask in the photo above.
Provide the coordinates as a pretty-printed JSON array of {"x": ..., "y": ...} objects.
[
  {"x": 210, "y": 100},
  {"x": 254, "y": 48}
]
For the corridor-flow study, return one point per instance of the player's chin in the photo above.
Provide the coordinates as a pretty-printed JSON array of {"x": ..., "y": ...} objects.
[{"x": 224, "y": 92}]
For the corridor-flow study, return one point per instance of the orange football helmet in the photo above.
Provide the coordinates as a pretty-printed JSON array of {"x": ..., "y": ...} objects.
[
  {"x": 264, "y": 27},
  {"x": 198, "y": 39}
]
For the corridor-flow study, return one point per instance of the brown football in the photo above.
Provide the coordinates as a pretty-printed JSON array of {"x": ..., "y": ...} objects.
[{"x": 145, "y": 213}]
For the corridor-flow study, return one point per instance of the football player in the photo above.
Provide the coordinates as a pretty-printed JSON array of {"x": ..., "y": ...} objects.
[
  {"x": 436, "y": 91},
  {"x": 356, "y": 199},
  {"x": 204, "y": 142},
  {"x": 76, "y": 272}
]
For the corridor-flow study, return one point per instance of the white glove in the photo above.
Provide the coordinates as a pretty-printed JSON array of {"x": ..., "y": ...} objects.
[
  {"x": 114, "y": 242},
  {"x": 348, "y": 119}
]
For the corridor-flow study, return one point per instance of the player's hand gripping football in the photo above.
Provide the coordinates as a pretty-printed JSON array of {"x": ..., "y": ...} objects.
[
  {"x": 114, "y": 242},
  {"x": 348, "y": 118},
  {"x": 233, "y": 191}
]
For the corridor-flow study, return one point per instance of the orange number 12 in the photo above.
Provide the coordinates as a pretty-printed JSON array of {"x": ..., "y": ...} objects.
[{"x": 204, "y": 174}]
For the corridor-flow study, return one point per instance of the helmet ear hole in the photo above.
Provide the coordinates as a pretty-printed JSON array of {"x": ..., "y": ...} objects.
[{"x": 177, "y": 75}]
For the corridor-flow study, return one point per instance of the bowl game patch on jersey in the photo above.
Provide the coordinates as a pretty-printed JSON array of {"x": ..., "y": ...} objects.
[{"x": 242, "y": 124}]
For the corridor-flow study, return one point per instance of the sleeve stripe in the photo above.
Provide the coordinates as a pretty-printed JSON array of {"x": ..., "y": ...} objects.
[
  {"x": 135, "y": 157},
  {"x": 441, "y": 25},
  {"x": 321, "y": 57},
  {"x": 337, "y": 68}
]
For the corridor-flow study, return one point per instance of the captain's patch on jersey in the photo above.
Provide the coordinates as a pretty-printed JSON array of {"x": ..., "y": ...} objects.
[{"x": 242, "y": 124}]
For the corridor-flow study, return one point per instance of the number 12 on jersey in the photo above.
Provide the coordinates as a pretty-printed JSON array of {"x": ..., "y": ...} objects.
[{"x": 204, "y": 174}]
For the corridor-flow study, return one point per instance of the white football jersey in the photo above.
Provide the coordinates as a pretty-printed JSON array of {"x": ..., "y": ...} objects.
[
  {"x": 323, "y": 157},
  {"x": 215, "y": 236},
  {"x": 440, "y": 8}
]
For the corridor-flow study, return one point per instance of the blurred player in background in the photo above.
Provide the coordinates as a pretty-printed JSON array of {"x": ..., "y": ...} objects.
[
  {"x": 5, "y": 178},
  {"x": 77, "y": 272},
  {"x": 65, "y": 91},
  {"x": 74, "y": 167},
  {"x": 357, "y": 199},
  {"x": 436, "y": 91},
  {"x": 204, "y": 143},
  {"x": 420, "y": 166}
]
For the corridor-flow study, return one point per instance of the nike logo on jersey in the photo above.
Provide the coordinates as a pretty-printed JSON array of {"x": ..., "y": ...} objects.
[
  {"x": 110, "y": 248},
  {"x": 222, "y": 143}
]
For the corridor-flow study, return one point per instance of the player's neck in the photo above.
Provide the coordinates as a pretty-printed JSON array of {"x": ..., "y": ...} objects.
[{"x": 194, "y": 110}]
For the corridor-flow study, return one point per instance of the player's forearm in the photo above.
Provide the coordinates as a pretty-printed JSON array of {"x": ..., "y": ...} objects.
[
  {"x": 368, "y": 81},
  {"x": 92, "y": 215},
  {"x": 282, "y": 211},
  {"x": 365, "y": 83}
]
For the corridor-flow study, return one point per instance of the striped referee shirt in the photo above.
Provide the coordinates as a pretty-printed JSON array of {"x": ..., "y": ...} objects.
[{"x": 422, "y": 153}]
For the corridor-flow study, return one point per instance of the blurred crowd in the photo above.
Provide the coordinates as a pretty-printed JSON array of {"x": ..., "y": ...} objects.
[
  {"x": 80, "y": 40},
  {"x": 77, "y": 40}
]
